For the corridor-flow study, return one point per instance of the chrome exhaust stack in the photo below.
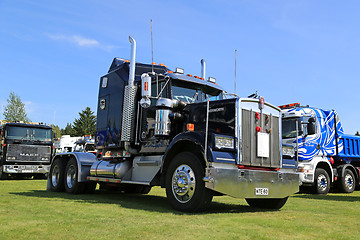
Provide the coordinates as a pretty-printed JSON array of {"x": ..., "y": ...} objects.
[
  {"x": 129, "y": 105},
  {"x": 132, "y": 61},
  {"x": 203, "y": 68}
]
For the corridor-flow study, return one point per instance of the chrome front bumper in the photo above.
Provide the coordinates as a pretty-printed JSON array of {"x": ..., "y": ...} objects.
[
  {"x": 244, "y": 183},
  {"x": 26, "y": 168}
]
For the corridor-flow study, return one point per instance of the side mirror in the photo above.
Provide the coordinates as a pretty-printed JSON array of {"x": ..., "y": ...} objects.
[{"x": 311, "y": 126}]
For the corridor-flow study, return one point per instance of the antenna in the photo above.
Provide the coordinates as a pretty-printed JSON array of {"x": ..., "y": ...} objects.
[
  {"x": 152, "y": 60},
  {"x": 235, "y": 72},
  {"x": 152, "y": 48}
]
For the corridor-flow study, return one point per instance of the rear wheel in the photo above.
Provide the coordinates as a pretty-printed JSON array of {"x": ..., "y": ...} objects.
[
  {"x": 56, "y": 177},
  {"x": 268, "y": 203},
  {"x": 321, "y": 183},
  {"x": 72, "y": 185},
  {"x": 185, "y": 188},
  {"x": 347, "y": 182}
]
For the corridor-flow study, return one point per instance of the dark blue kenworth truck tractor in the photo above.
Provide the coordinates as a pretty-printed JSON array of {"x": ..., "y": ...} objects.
[
  {"x": 156, "y": 127},
  {"x": 25, "y": 151}
]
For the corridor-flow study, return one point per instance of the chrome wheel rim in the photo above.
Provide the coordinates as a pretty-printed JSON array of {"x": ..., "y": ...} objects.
[
  {"x": 322, "y": 182},
  {"x": 55, "y": 175},
  {"x": 183, "y": 183},
  {"x": 70, "y": 176},
  {"x": 349, "y": 182}
]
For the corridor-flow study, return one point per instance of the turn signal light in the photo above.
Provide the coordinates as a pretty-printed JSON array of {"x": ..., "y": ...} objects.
[{"x": 190, "y": 127}]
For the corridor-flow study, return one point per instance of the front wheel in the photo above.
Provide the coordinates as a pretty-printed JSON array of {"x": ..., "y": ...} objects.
[
  {"x": 267, "y": 203},
  {"x": 347, "y": 182},
  {"x": 185, "y": 188},
  {"x": 321, "y": 183}
]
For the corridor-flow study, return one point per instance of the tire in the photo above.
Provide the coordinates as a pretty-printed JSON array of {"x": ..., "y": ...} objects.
[
  {"x": 347, "y": 182},
  {"x": 56, "y": 176},
  {"x": 72, "y": 185},
  {"x": 185, "y": 188},
  {"x": 321, "y": 183},
  {"x": 267, "y": 203}
]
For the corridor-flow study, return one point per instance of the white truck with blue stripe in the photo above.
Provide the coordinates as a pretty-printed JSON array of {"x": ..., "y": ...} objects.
[{"x": 326, "y": 156}]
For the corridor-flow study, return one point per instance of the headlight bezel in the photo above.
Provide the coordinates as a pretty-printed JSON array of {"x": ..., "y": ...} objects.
[
  {"x": 224, "y": 142},
  {"x": 288, "y": 151}
]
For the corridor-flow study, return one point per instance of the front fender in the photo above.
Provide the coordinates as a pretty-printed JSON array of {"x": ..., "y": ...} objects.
[
  {"x": 187, "y": 141},
  {"x": 310, "y": 167},
  {"x": 84, "y": 162}
]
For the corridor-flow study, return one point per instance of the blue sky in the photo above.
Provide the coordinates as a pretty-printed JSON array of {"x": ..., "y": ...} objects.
[{"x": 52, "y": 53}]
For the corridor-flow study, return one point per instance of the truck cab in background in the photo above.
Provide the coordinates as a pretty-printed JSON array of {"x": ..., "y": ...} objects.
[
  {"x": 156, "y": 127},
  {"x": 326, "y": 156},
  {"x": 26, "y": 150}
]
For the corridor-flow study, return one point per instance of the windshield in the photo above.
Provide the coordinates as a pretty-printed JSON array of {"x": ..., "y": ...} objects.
[
  {"x": 28, "y": 133},
  {"x": 190, "y": 95},
  {"x": 289, "y": 127}
]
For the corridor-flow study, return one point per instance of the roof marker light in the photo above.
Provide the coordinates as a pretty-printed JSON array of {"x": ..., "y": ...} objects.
[
  {"x": 212, "y": 80},
  {"x": 153, "y": 63},
  {"x": 179, "y": 70},
  {"x": 189, "y": 75},
  {"x": 292, "y": 105},
  {"x": 197, "y": 77}
]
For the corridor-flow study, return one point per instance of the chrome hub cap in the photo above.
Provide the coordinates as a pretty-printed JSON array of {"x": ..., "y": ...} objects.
[
  {"x": 349, "y": 181},
  {"x": 55, "y": 176},
  {"x": 183, "y": 183},
  {"x": 322, "y": 182},
  {"x": 70, "y": 176}
]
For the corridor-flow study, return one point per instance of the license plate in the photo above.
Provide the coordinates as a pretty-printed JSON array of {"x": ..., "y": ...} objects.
[{"x": 262, "y": 191}]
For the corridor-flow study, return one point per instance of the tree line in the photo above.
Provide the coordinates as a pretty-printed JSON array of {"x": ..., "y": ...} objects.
[{"x": 85, "y": 124}]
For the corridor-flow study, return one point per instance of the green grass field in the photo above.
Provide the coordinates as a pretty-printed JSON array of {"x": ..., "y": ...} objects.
[{"x": 28, "y": 211}]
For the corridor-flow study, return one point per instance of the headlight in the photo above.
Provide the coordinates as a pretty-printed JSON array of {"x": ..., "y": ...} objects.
[
  {"x": 305, "y": 168},
  {"x": 224, "y": 142},
  {"x": 44, "y": 159},
  {"x": 288, "y": 151},
  {"x": 11, "y": 158}
]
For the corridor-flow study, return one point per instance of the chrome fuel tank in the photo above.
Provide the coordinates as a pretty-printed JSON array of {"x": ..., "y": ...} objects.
[{"x": 109, "y": 169}]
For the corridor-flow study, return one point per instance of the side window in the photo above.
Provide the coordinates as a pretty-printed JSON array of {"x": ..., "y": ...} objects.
[
  {"x": 156, "y": 90},
  {"x": 304, "y": 124}
]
